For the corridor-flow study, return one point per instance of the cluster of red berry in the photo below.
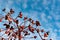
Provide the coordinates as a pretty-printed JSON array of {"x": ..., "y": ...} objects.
[{"x": 22, "y": 28}]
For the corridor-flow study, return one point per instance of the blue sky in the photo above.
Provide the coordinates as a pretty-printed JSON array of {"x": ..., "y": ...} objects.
[{"x": 46, "y": 11}]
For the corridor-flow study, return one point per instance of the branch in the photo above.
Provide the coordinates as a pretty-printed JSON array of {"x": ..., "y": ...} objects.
[{"x": 40, "y": 35}]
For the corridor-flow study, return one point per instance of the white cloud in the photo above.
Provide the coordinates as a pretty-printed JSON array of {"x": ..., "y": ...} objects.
[
  {"x": 58, "y": 24},
  {"x": 49, "y": 17},
  {"x": 43, "y": 17},
  {"x": 55, "y": 30},
  {"x": 10, "y": 2},
  {"x": 46, "y": 2},
  {"x": 31, "y": 14},
  {"x": 55, "y": 15},
  {"x": 53, "y": 36},
  {"x": 24, "y": 5},
  {"x": 59, "y": 31}
]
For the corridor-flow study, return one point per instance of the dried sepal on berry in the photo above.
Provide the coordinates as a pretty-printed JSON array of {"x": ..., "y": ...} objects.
[
  {"x": 47, "y": 32},
  {"x": 26, "y": 33},
  {"x": 35, "y": 37},
  {"x": 37, "y": 23},
  {"x": 29, "y": 26},
  {"x": 29, "y": 19},
  {"x": 38, "y": 30},
  {"x": 6, "y": 17},
  {"x": 3, "y": 9},
  {"x": 10, "y": 22},
  {"x": 7, "y": 26},
  {"x": 25, "y": 18},
  {"x": 17, "y": 21},
  {"x": 11, "y": 11},
  {"x": 32, "y": 22},
  {"x": 4, "y": 24},
  {"x": 11, "y": 28},
  {"x": 20, "y": 15}
]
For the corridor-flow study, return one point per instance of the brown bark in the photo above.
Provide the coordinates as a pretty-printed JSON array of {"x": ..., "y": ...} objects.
[{"x": 19, "y": 34}]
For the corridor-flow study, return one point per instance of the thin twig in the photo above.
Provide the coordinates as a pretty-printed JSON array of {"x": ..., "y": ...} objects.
[{"x": 40, "y": 36}]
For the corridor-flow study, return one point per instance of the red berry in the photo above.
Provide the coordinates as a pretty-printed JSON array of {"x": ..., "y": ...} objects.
[
  {"x": 42, "y": 30},
  {"x": 45, "y": 35},
  {"x": 0, "y": 20}
]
